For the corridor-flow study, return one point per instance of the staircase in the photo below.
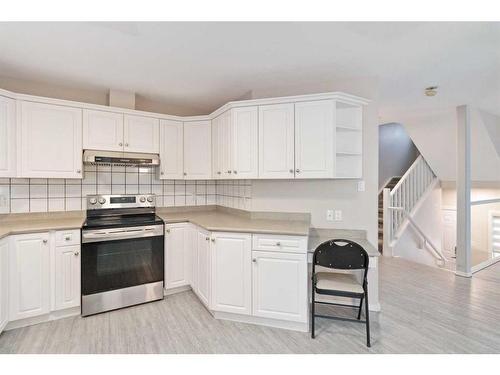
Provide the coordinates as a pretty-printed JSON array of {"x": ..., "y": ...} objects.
[
  {"x": 390, "y": 185},
  {"x": 400, "y": 204}
]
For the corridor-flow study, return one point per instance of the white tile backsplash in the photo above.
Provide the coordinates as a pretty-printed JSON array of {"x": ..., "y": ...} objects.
[{"x": 41, "y": 195}]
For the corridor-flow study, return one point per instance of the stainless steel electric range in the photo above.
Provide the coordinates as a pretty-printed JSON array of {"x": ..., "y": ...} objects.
[{"x": 122, "y": 253}]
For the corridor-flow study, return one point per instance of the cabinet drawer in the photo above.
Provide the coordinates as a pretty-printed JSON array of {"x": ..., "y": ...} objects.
[
  {"x": 272, "y": 242},
  {"x": 67, "y": 237}
]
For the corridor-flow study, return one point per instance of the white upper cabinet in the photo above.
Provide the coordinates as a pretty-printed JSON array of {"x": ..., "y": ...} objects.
[
  {"x": 141, "y": 134},
  {"x": 67, "y": 277},
  {"x": 244, "y": 145},
  {"x": 276, "y": 141},
  {"x": 232, "y": 272},
  {"x": 197, "y": 150},
  {"x": 51, "y": 140},
  {"x": 102, "y": 130},
  {"x": 314, "y": 139},
  {"x": 29, "y": 278},
  {"x": 225, "y": 145},
  {"x": 7, "y": 137},
  {"x": 171, "y": 150}
]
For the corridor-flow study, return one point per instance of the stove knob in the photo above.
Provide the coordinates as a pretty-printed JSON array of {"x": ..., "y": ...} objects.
[
  {"x": 142, "y": 199},
  {"x": 102, "y": 200},
  {"x": 150, "y": 199},
  {"x": 92, "y": 201}
]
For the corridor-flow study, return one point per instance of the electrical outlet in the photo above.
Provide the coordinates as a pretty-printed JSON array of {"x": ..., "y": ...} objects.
[
  {"x": 361, "y": 185},
  {"x": 338, "y": 215},
  {"x": 329, "y": 215}
]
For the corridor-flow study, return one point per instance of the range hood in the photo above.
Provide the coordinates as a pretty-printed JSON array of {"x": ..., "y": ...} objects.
[{"x": 94, "y": 157}]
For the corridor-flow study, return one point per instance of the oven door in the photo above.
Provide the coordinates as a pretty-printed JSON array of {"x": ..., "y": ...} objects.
[{"x": 121, "y": 258}]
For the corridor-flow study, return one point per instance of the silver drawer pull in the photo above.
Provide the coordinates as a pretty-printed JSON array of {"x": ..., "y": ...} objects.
[{"x": 278, "y": 243}]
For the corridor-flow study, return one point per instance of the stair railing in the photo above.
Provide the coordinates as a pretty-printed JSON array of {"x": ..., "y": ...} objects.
[{"x": 400, "y": 202}]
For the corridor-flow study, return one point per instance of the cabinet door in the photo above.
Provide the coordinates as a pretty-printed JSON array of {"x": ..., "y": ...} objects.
[
  {"x": 51, "y": 141},
  {"x": 29, "y": 282},
  {"x": 280, "y": 285},
  {"x": 171, "y": 150},
  {"x": 67, "y": 277},
  {"x": 4, "y": 283},
  {"x": 141, "y": 134},
  {"x": 203, "y": 269},
  {"x": 245, "y": 142},
  {"x": 197, "y": 150},
  {"x": 276, "y": 141},
  {"x": 102, "y": 130},
  {"x": 216, "y": 148},
  {"x": 226, "y": 145},
  {"x": 7, "y": 137},
  {"x": 314, "y": 139},
  {"x": 177, "y": 255},
  {"x": 232, "y": 273}
]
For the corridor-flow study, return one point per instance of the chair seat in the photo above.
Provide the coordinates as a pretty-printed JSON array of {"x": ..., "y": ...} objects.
[{"x": 338, "y": 281}]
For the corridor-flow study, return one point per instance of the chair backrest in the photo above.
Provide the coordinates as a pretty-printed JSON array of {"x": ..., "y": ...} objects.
[{"x": 341, "y": 254}]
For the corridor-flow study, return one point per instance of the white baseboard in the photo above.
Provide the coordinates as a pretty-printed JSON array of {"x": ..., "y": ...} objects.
[
  {"x": 53, "y": 315},
  {"x": 179, "y": 289},
  {"x": 294, "y": 326}
]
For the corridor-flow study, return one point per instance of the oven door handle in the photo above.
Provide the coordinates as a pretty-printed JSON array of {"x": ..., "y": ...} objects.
[{"x": 109, "y": 235}]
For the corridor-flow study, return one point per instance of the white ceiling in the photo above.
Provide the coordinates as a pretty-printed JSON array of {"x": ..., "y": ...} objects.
[{"x": 204, "y": 65}]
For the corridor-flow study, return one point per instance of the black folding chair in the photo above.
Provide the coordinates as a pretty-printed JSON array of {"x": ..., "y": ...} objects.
[{"x": 341, "y": 255}]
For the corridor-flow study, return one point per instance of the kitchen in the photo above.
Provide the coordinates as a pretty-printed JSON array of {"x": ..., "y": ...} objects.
[{"x": 82, "y": 176}]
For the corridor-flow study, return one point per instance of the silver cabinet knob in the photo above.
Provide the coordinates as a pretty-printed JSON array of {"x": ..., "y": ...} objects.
[
  {"x": 168, "y": 231},
  {"x": 162, "y": 173},
  {"x": 185, "y": 174},
  {"x": 213, "y": 239},
  {"x": 120, "y": 144},
  {"x": 76, "y": 253},
  {"x": 44, "y": 241},
  {"x": 126, "y": 144},
  {"x": 228, "y": 171},
  {"x": 291, "y": 170},
  {"x": 218, "y": 172},
  {"x": 254, "y": 260},
  {"x": 67, "y": 238},
  {"x": 297, "y": 170},
  {"x": 278, "y": 243},
  {"x": 78, "y": 171},
  {"x": 207, "y": 238},
  {"x": 235, "y": 172}
]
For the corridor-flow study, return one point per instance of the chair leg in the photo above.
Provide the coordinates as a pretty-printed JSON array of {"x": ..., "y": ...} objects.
[
  {"x": 367, "y": 319},
  {"x": 312, "y": 313},
  {"x": 360, "y": 308}
]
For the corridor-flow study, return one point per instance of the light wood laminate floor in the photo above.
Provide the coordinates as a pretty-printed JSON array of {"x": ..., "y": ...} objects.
[{"x": 425, "y": 310}]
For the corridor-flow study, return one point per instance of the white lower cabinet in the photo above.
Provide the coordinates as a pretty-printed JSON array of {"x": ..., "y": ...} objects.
[
  {"x": 67, "y": 277},
  {"x": 29, "y": 276},
  {"x": 280, "y": 285},
  {"x": 232, "y": 272},
  {"x": 4, "y": 283},
  {"x": 177, "y": 255},
  {"x": 203, "y": 265}
]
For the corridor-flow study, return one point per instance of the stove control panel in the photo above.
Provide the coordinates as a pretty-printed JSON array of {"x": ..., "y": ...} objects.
[{"x": 95, "y": 202}]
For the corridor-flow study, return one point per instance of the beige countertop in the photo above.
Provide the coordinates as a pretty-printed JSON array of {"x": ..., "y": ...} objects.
[
  {"x": 40, "y": 222},
  {"x": 221, "y": 221},
  {"x": 314, "y": 241}
]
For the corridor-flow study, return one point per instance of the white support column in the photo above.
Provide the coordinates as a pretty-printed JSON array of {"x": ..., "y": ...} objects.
[{"x": 464, "y": 265}]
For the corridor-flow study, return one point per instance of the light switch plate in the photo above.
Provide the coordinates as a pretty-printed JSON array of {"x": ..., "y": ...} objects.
[
  {"x": 361, "y": 185},
  {"x": 338, "y": 215},
  {"x": 329, "y": 215}
]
